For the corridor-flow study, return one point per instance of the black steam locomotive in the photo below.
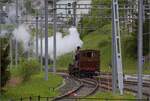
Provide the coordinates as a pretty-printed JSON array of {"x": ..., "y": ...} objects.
[{"x": 86, "y": 64}]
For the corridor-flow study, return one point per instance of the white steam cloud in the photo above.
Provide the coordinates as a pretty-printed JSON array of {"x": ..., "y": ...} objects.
[
  {"x": 10, "y": 18},
  {"x": 64, "y": 44},
  {"x": 11, "y": 13},
  {"x": 21, "y": 34}
]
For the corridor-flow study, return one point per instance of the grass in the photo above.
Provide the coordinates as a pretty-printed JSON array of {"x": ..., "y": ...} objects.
[
  {"x": 107, "y": 96},
  {"x": 34, "y": 87}
]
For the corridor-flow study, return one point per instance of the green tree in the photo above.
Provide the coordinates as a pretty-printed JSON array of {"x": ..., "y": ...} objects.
[
  {"x": 97, "y": 17},
  {"x": 4, "y": 62},
  {"x": 29, "y": 7},
  {"x": 146, "y": 37},
  {"x": 131, "y": 42}
]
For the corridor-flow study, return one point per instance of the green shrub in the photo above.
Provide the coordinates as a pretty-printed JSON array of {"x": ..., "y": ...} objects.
[
  {"x": 129, "y": 44},
  {"x": 28, "y": 68}
]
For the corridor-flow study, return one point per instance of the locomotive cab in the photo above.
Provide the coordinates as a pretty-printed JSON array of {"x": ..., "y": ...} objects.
[{"x": 87, "y": 64}]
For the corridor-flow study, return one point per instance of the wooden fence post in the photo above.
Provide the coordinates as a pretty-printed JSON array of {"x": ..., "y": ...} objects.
[
  {"x": 21, "y": 99},
  {"x": 30, "y": 98},
  {"x": 39, "y": 98},
  {"x": 47, "y": 98}
]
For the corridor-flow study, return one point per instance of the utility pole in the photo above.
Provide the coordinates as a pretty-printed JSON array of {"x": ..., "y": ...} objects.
[
  {"x": 74, "y": 13},
  {"x": 46, "y": 39},
  {"x": 16, "y": 43},
  {"x": 37, "y": 35},
  {"x": 117, "y": 62},
  {"x": 41, "y": 42},
  {"x": 0, "y": 55},
  {"x": 54, "y": 33},
  {"x": 11, "y": 55},
  {"x": 81, "y": 25},
  {"x": 140, "y": 48},
  {"x": 0, "y": 40}
]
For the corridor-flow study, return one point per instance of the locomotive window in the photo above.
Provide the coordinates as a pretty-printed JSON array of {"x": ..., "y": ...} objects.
[
  {"x": 93, "y": 54},
  {"x": 90, "y": 54}
]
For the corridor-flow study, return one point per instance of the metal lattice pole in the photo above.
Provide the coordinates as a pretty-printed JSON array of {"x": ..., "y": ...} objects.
[
  {"x": 54, "y": 33},
  {"x": 140, "y": 48},
  {"x": 46, "y": 39},
  {"x": 114, "y": 70},
  {"x": 118, "y": 56}
]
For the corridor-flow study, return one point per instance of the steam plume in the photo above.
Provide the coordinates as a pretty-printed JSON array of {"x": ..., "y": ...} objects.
[
  {"x": 64, "y": 44},
  {"x": 22, "y": 35}
]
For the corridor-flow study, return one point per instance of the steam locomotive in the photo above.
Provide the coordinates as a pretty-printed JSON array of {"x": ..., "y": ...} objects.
[{"x": 86, "y": 65}]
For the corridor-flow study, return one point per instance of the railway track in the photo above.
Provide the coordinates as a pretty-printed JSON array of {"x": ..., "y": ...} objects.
[
  {"x": 86, "y": 88},
  {"x": 104, "y": 82},
  {"x": 108, "y": 86},
  {"x": 131, "y": 86},
  {"x": 90, "y": 84},
  {"x": 129, "y": 82}
]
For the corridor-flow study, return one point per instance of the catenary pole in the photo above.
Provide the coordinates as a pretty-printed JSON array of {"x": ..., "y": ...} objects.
[
  {"x": 117, "y": 42},
  {"x": 11, "y": 55},
  {"x": 37, "y": 35},
  {"x": 41, "y": 43},
  {"x": 46, "y": 39},
  {"x": 54, "y": 33},
  {"x": 114, "y": 70},
  {"x": 74, "y": 13},
  {"x": 0, "y": 43},
  {"x": 140, "y": 47},
  {"x": 16, "y": 43}
]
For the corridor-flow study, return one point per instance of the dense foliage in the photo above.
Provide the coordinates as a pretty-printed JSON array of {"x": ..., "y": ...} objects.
[
  {"x": 28, "y": 68},
  {"x": 96, "y": 21},
  {"x": 4, "y": 61},
  {"x": 132, "y": 40},
  {"x": 29, "y": 8},
  {"x": 146, "y": 37}
]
